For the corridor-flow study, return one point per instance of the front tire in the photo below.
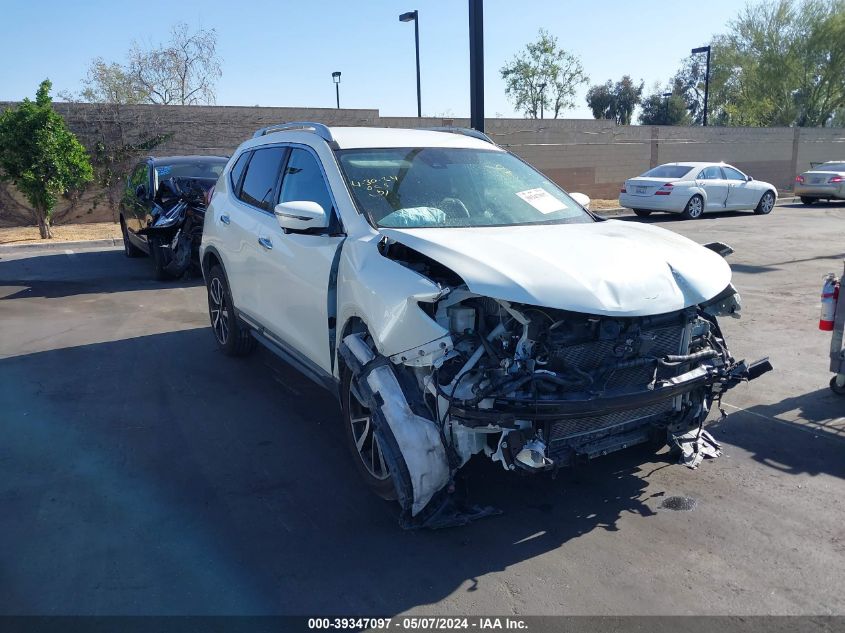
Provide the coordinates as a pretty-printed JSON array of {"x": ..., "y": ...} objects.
[
  {"x": 158, "y": 259},
  {"x": 694, "y": 208},
  {"x": 642, "y": 213},
  {"x": 363, "y": 442},
  {"x": 233, "y": 337},
  {"x": 766, "y": 204},
  {"x": 806, "y": 200}
]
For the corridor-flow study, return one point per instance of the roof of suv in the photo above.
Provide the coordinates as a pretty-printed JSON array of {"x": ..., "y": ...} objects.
[
  {"x": 359, "y": 137},
  {"x": 382, "y": 137}
]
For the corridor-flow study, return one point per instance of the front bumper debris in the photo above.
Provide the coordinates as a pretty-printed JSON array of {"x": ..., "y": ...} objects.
[
  {"x": 507, "y": 410},
  {"x": 411, "y": 442}
]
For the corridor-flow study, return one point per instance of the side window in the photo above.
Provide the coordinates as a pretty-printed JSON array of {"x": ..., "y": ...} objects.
[
  {"x": 303, "y": 180},
  {"x": 259, "y": 183},
  {"x": 138, "y": 176},
  {"x": 237, "y": 171},
  {"x": 710, "y": 173},
  {"x": 733, "y": 174}
]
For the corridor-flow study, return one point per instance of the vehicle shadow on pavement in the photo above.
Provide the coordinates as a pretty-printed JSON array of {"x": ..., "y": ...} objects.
[
  {"x": 677, "y": 217},
  {"x": 814, "y": 445},
  {"x": 154, "y": 475},
  {"x": 63, "y": 275},
  {"x": 834, "y": 204}
]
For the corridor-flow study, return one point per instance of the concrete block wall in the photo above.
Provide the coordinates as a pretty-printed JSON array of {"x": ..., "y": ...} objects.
[
  {"x": 818, "y": 145},
  {"x": 590, "y": 156}
]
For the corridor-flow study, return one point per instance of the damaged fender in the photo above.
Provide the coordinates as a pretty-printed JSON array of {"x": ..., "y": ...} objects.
[{"x": 418, "y": 438}]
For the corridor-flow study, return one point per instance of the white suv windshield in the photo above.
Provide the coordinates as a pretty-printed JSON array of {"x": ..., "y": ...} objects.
[{"x": 453, "y": 187}]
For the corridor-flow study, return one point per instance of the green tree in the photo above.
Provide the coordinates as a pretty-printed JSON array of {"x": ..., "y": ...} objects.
[
  {"x": 615, "y": 101},
  {"x": 688, "y": 83},
  {"x": 543, "y": 73},
  {"x": 40, "y": 156},
  {"x": 600, "y": 100},
  {"x": 660, "y": 110},
  {"x": 781, "y": 63}
]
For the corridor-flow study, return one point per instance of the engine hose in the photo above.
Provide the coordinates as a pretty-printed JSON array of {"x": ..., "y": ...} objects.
[
  {"x": 502, "y": 387},
  {"x": 672, "y": 361},
  {"x": 561, "y": 381}
]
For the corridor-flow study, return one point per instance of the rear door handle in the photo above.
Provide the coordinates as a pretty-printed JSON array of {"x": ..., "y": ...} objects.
[
  {"x": 225, "y": 219},
  {"x": 265, "y": 243}
]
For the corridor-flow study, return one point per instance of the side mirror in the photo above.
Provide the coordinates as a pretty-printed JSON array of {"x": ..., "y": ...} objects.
[
  {"x": 301, "y": 215},
  {"x": 748, "y": 179},
  {"x": 582, "y": 199},
  {"x": 141, "y": 192}
]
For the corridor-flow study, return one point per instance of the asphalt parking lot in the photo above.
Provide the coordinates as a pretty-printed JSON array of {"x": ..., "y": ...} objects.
[{"x": 141, "y": 472}]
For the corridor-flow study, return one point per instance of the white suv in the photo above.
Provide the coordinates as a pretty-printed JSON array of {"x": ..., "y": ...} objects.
[{"x": 458, "y": 302}]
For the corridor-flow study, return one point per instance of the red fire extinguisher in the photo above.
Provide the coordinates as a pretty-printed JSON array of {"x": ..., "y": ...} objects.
[{"x": 830, "y": 295}]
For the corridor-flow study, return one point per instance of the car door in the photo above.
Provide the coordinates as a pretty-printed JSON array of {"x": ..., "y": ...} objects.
[
  {"x": 716, "y": 187},
  {"x": 133, "y": 206},
  {"x": 742, "y": 194},
  {"x": 299, "y": 266},
  {"x": 251, "y": 201}
]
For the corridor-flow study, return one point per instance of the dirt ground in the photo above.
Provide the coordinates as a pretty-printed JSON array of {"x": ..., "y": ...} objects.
[
  {"x": 61, "y": 233},
  {"x": 600, "y": 205}
]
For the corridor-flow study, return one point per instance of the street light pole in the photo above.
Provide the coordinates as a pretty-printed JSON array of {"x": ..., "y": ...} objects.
[
  {"x": 476, "y": 64},
  {"x": 695, "y": 51},
  {"x": 336, "y": 80},
  {"x": 407, "y": 17}
]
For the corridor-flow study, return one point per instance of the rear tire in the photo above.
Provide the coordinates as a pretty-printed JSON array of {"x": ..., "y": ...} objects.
[
  {"x": 129, "y": 249},
  {"x": 694, "y": 208},
  {"x": 807, "y": 200},
  {"x": 766, "y": 204},
  {"x": 233, "y": 336},
  {"x": 642, "y": 213}
]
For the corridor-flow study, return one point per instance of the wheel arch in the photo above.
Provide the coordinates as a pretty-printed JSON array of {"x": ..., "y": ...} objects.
[
  {"x": 770, "y": 190},
  {"x": 210, "y": 258},
  {"x": 700, "y": 193}
]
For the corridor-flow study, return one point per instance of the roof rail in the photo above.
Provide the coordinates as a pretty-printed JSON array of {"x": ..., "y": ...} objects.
[
  {"x": 317, "y": 128},
  {"x": 466, "y": 131}
]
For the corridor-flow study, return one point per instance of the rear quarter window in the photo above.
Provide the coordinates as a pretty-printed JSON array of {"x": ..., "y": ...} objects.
[
  {"x": 237, "y": 171},
  {"x": 668, "y": 171}
]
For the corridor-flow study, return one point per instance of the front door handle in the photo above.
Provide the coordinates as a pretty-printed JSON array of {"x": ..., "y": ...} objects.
[
  {"x": 225, "y": 219},
  {"x": 265, "y": 243}
]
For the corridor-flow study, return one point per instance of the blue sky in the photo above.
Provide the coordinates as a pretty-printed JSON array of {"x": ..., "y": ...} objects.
[{"x": 283, "y": 53}]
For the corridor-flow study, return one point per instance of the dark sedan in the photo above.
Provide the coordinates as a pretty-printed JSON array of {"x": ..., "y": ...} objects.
[{"x": 162, "y": 209}]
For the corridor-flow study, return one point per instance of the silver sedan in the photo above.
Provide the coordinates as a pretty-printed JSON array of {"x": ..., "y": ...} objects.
[
  {"x": 693, "y": 189},
  {"x": 825, "y": 181}
]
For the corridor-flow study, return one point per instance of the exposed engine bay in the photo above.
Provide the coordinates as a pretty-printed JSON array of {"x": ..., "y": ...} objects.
[{"x": 535, "y": 388}]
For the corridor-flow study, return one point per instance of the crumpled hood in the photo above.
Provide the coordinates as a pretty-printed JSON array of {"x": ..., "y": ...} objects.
[{"x": 610, "y": 268}]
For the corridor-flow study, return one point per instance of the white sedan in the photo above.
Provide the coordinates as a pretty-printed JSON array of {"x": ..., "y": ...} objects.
[{"x": 692, "y": 189}]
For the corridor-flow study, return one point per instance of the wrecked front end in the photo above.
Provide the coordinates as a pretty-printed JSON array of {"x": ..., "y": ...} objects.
[
  {"x": 176, "y": 223},
  {"x": 536, "y": 389}
]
